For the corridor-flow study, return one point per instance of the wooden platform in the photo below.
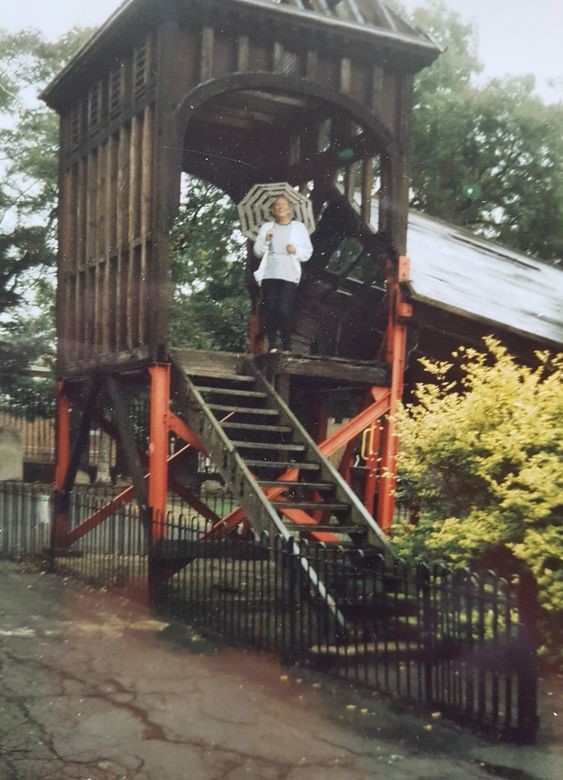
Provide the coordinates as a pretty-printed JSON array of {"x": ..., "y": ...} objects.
[{"x": 211, "y": 363}]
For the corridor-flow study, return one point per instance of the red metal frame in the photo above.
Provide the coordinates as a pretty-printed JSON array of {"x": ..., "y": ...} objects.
[
  {"x": 62, "y": 436},
  {"x": 371, "y": 441},
  {"x": 400, "y": 311},
  {"x": 62, "y": 429},
  {"x": 159, "y": 429},
  {"x": 163, "y": 422}
]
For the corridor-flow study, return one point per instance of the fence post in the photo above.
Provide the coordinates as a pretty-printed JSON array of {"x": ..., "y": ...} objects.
[
  {"x": 290, "y": 654},
  {"x": 150, "y": 522},
  {"x": 427, "y": 630},
  {"x": 526, "y": 656}
]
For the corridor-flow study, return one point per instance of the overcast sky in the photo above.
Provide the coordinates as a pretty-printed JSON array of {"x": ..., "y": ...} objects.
[{"x": 515, "y": 36}]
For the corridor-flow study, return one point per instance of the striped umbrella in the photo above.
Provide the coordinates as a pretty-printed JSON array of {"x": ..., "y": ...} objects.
[{"x": 255, "y": 208}]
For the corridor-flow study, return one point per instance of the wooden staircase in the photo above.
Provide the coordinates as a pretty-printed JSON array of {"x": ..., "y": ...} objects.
[{"x": 276, "y": 473}]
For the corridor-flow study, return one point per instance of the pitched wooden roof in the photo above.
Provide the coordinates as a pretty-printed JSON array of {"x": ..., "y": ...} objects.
[{"x": 365, "y": 22}]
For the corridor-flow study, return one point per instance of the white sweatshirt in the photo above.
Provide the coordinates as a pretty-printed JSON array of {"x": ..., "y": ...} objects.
[{"x": 279, "y": 264}]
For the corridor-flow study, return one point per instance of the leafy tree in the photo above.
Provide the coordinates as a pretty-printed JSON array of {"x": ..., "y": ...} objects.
[
  {"x": 482, "y": 460},
  {"x": 210, "y": 305},
  {"x": 28, "y": 194},
  {"x": 488, "y": 158}
]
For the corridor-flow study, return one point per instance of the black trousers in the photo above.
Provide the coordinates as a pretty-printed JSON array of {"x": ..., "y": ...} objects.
[{"x": 278, "y": 297}]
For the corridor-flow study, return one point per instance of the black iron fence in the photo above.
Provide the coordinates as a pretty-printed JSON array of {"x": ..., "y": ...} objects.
[{"x": 455, "y": 642}]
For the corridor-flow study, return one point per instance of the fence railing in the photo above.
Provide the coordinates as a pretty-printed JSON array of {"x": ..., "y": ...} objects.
[{"x": 452, "y": 641}]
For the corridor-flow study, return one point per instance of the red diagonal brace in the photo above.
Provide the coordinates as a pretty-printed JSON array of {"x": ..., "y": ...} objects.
[{"x": 125, "y": 496}]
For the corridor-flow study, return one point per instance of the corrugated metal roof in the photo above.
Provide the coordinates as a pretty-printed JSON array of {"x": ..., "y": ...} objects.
[{"x": 456, "y": 271}]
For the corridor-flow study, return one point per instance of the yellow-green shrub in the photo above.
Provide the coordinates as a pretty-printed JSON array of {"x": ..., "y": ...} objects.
[{"x": 481, "y": 458}]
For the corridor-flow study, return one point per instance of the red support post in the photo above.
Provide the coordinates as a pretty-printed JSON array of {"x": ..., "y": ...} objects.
[
  {"x": 62, "y": 436},
  {"x": 60, "y": 513},
  {"x": 158, "y": 446},
  {"x": 396, "y": 344},
  {"x": 372, "y": 462}
]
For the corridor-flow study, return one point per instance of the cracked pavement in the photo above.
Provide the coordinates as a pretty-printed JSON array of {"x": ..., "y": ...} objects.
[{"x": 94, "y": 686}]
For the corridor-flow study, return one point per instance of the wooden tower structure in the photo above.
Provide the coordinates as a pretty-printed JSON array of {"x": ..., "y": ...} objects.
[{"x": 236, "y": 92}]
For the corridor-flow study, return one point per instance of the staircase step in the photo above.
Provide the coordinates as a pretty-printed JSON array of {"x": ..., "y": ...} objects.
[
  {"x": 242, "y": 379},
  {"x": 325, "y": 528},
  {"x": 268, "y": 445},
  {"x": 243, "y": 410},
  {"x": 321, "y": 487},
  {"x": 256, "y": 427},
  {"x": 310, "y": 506},
  {"x": 233, "y": 391},
  {"x": 282, "y": 465}
]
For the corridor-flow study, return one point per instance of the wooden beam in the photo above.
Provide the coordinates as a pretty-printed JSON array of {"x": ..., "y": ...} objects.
[
  {"x": 366, "y": 189},
  {"x": 314, "y": 367},
  {"x": 312, "y": 65},
  {"x": 127, "y": 439},
  {"x": 319, "y": 165},
  {"x": 206, "y": 60},
  {"x": 377, "y": 90},
  {"x": 82, "y": 438},
  {"x": 243, "y": 53},
  {"x": 194, "y": 501},
  {"x": 345, "y": 75},
  {"x": 277, "y": 58}
]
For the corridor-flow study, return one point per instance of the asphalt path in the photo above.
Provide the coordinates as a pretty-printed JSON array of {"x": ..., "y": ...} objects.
[{"x": 95, "y": 686}]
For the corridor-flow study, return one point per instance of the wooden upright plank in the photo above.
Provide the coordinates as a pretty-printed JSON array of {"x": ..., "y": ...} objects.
[
  {"x": 366, "y": 189},
  {"x": 66, "y": 251},
  {"x": 134, "y": 223},
  {"x": 100, "y": 246},
  {"x": 242, "y": 53},
  {"x": 122, "y": 231},
  {"x": 78, "y": 309},
  {"x": 167, "y": 159},
  {"x": 377, "y": 90},
  {"x": 206, "y": 61},
  {"x": 107, "y": 245},
  {"x": 345, "y": 75},
  {"x": 277, "y": 58},
  {"x": 146, "y": 210},
  {"x": 311, "y": 67}
]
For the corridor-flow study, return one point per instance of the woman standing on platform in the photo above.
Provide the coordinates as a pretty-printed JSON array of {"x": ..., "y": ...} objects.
[{"x": 283, "y": 245}]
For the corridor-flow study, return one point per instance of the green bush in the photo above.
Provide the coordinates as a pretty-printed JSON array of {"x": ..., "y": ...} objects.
[{"x": 481, "y": 459}]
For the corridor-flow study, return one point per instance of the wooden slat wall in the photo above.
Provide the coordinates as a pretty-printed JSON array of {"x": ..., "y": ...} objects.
[{"x": 106, "y": 220}]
